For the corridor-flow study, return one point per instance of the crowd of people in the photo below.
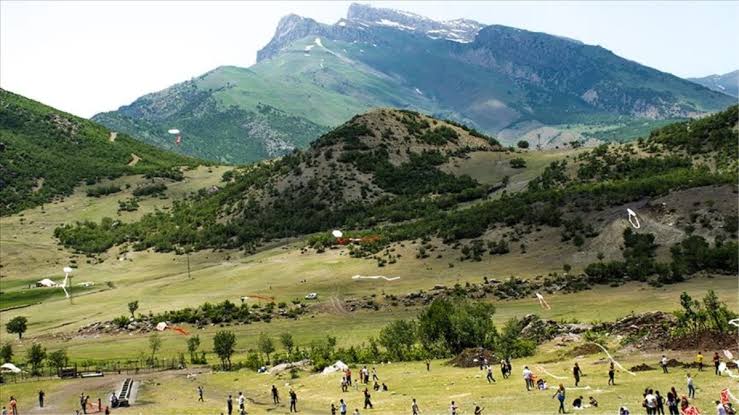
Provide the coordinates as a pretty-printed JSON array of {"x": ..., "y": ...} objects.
[{"x": 653, "y": 402}]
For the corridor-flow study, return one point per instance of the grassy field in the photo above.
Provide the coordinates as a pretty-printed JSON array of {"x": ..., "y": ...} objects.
[{"x": 172, "y": 392}]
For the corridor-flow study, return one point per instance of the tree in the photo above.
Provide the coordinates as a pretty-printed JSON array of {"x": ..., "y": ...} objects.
[
  {"x": 287, "y": 342},
  {"x": 58, "y": 359},
  {"x": 193, "y": 343},
  {"x": 132, "y": 307},
  {"x": 398, "y": 337},
  {"x": 17, "y": 325},
  {"x": 517, "y": 163},
  {"x": 224, "y": 343},
  {"x": 6, "y": 353},
  {"x": 265, "y": 344},
  {"x": 523, "y": 144},
  {"x": 457, "y": 324},
  {"x": 35, "y": 355},
  {"x": 155, "y": 343}
]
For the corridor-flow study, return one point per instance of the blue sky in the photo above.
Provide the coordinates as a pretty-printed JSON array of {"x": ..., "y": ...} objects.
[{"x": 87, "y": 57}]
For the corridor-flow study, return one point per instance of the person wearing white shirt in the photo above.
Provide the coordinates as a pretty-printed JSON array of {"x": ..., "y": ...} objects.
[{"x": 527, "y": 378}]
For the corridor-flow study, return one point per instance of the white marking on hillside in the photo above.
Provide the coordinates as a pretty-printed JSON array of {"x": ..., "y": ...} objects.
[
  {"x": 418, "y": 91},
  {"x": 342, "y": 23},
  {"x": 309, "y": 47},
  {"x": 374, "y": 277},
  {"x": 318, "y": 42}
]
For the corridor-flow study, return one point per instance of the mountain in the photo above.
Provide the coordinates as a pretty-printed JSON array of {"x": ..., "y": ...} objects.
[
  {"x": 500, "y": 80},
  {"x": 45, "y": 153},
  {"x": 395, "y": 175},
  {"x": 727, "y": 83}
]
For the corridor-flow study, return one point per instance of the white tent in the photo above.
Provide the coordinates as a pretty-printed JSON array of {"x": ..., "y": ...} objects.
[
  {"x": 161, "y": 326},
  {"x": 9, "y": 367},
  {"x": 46, "y": 283},
  {"x": 339, "y": 366}
]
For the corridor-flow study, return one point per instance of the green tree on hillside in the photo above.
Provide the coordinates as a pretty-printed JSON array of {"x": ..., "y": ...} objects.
[
  {"x": 523, "y": 144},
  {"x": 6, "y": 353},
  {"x": 193, "y": 343},
  {"x": 398, "y": 337},
  {"x": 265, "y": 344},
  {"x": 224, "y": 343},
  {"x": 35, "y": 355},
  {"x": 58, "y": 359},
  {"x": 287, "y": 342},
  {"x": 17, "y": 325},
  {"x": 155, "y": 343},
  {"x": 132, "y": 307}
]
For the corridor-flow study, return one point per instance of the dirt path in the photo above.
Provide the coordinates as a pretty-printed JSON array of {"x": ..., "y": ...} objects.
[
  {"x": 113, "y": 136},
  {"x": 337, "y": 305},
  {"x": 134, "y": 159}
]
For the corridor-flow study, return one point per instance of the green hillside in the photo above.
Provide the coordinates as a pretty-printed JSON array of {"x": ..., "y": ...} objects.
[{"x": 45, "y": 153}]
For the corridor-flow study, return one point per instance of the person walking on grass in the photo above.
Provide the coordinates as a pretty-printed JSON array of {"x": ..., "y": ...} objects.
[
  {"x": 342, "y": 407},
  {"x": 490, "y": 377},
  {"x": 650, "y": 402},
  {"x": 333, "y": 409},
  {"x": 367, "y": 401},
  {"x": 293, "y": 400},
  {"x": 200, "y": 394},
  {"x": 716, "y": 363},
  {"x": 560, "y": 395},
  {"x": 229, "y": 405},
  {"x": 691, "y": 387},
  {"x": 527, "y": 378},
  {"x": 415, "y": 410},
  {"x": 275, "y": 395},
  {"x": 663, "y": 363},
  {"x": 13, "y": 406},
  {"x": 83, "y": 403},
  {"x": 428, "y": 365},
  {"x": 577, "y": 372},
  {"x": 699, "y": 361},
  {"x": 374, "y": 375},
  {"x": 41, "y": 395},
  {"x": 611, "y": 375}
]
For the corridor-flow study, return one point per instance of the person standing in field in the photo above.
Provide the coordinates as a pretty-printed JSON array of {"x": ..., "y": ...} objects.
[
  {"x": 611, "y": 375},
  {"x": 415, "y": 410},
  {"x": 527, "y": 378},
  {"x": 428, "y": 365},
  {"x": 200, "y": 394},
  {"x": 453, "y": 408},
  {"x": 672, "y": 403},
  {"x": 374, "y": 375},
  {"x": 342, "y": 407},
  {"x": 576, "y": 372},
  {"x": 275, "y": 395},
  {"x": 13, "y": 406},
  {"x": 560, "y": 395},
  {"x": 41, "y": 395},
  {"x": 229, "y": 405},
  {"x": 716, "y": 363},
  {"x": 699, "y": 360},
  {"x": 242, "y": 402},
  {"x": 660, "y": 404},
  {"x": 333, "y": 409},
  {"x": 293, "y": 401},
  {"x": 691, "y": 387},
  {"x": 367, "y": 401}
]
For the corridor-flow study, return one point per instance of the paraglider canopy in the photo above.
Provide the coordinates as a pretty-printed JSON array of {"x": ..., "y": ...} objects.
[
  {"x": 67, "y": 270},
  {"x": 337, "y": 233},
  {"x": 174, "y": 131}
]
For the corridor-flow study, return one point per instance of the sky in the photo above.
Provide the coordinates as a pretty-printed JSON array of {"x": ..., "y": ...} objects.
[{"x": 89, "y": 57}]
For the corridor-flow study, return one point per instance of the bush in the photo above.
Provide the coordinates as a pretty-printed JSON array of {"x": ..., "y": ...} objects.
[
  {"x": 151, "y": 189},
  {"x": 518, "y": 163},
  {"x": 100, "y": 191}
]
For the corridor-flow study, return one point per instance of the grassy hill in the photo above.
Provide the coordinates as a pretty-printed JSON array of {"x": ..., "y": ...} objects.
[
  {"x": 401, "y": 176},
  {"x": 45, "y": 154},
  {"x": 504, "y": 81}
]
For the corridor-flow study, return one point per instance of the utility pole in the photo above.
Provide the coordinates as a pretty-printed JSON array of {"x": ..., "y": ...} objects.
[{"x": 188, "y": 263}]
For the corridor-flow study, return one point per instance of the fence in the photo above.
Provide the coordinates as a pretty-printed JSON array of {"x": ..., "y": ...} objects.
[{"x": 105, "y": 367}]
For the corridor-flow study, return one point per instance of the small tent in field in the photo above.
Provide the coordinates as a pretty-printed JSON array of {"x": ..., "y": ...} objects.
[
  {"x": 9, "y": 367},
  {"x": 46, "y": 283}
]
